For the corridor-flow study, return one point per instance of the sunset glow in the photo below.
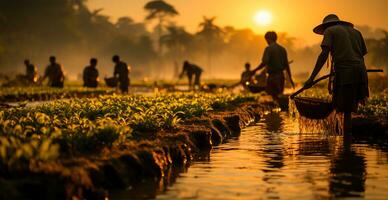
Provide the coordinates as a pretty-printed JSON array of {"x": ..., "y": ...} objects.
[{"x": 263, "y": 18}]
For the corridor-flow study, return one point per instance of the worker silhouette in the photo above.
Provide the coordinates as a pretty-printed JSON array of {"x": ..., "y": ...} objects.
[
  {"x": 247, "y": 76},
  {"x": 121, "y": 72},
  {"x": 275, "y": 61},
  {"x": 54, "y": 73},
  {"x": 192, "y": 70},
  {"x": 90, "y": 74},
  {"x": 347, "y": 48},
  {"x": 31, "y": 72}
]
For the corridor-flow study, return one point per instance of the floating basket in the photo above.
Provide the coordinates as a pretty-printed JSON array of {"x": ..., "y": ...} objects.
[
  {"x": 111, "y": 82},
  {"x": 313, "y": 108}
]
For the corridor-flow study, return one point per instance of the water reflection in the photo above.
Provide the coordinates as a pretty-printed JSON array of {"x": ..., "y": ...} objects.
[
  {"x": 347, "y": 172},
  {"x": 273, "y": 153},
  {"x": 272, "y": 160},
  {"x": 150, "y": 188},
  {"x": 273, "y": 142}
]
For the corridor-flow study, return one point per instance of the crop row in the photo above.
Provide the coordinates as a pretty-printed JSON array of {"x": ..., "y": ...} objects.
[
  {"x": 79, "y": 126},
  {"x": 16, "y": 94}
]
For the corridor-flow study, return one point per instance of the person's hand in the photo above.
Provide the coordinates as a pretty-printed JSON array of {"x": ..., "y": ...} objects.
[{"x": 308, "y": 83}]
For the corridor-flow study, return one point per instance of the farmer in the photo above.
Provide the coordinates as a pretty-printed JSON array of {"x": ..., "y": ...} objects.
[
  {"x": 275, "y": 60},
  {"x": 31, "y": 72},
  {"x": 54, "y": 73},
  {"x": 121, "y": 72},
  {"x": 347, "y": 48},
  {"x": 190, "y": 70},
  {"x": 90, "y": 74},
  {"x": 246, "y": 76}
]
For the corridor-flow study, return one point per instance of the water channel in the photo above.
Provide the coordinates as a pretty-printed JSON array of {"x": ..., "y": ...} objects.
[{"x": 272, "y": 160}]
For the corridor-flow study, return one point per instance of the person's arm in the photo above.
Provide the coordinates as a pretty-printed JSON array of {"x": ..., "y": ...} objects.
[
  {"x": 288, "y": 69},
  {"x": 84, "y": 77},
  {"x": 183, "y": 72},
  {"x": 363, "y": 46},
  {"x": 261, "y": 66},
  {"x": 264, "y": 61},
  {"x": 62, "y": 73},
  {"x": 116, "y": 71},
  {"x": 318, "y": 66},
  {"x": 46, "y": 72}
]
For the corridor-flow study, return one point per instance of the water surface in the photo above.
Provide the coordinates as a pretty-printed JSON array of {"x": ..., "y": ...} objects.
[{"x": 272, "y": 160}]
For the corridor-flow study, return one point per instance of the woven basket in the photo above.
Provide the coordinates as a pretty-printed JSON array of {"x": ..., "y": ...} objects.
[
  {"x": 313, "y": 108},
  {"x": 111, "y": 82}
]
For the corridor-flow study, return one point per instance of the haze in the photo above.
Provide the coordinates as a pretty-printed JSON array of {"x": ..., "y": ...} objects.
[
  {"x": 297, "y": 18},
  {"x": 231, "y": 34}
]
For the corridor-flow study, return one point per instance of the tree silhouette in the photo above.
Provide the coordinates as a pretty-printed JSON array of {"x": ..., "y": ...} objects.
[
  {"x": 379, "y": 50},
  {"x": 160, "y": 10},
  {"x": 127, "y": 27},
  {"x": 211, "y": 34},
  {"x": 178, "y": 41}
]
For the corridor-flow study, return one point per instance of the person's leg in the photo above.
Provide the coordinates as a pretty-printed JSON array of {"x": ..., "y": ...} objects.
[
  {"x": 125, "y": 89},
  {"x": 190, "y": 77},
  {"x": 273, "y": 86},
  {"x": 282, "y": 82},
  {"x": 347, "y": 123},
  {"x": 197, "y": 82},
  {"x": 124, "y": 86}
]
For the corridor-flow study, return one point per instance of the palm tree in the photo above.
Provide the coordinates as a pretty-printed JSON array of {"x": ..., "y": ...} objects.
[
  {"x": 209, "y": 29},
  {"x": 177, "y": 41},
  {"x": 177, "y": 38},
  {"x": 127, "y": 27},
  {"x": 159, "y": 9},
  {"x": 212, "y": 35}
]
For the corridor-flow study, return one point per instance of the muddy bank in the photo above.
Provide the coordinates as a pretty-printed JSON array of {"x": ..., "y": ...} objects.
[{"x": 120, "y": 167}]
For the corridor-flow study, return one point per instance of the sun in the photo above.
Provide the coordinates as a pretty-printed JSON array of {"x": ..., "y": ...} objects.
[{"x": 263, "y": 18}]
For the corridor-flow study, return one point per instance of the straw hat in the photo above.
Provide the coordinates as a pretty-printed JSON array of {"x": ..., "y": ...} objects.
[{"x": 329, "y": 20}]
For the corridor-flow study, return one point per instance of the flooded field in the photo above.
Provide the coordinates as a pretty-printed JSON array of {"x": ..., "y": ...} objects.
[{"x": 272, "y": 160}]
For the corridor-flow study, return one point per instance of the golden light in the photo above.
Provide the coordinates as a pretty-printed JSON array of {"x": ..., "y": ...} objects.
[{"x": 263, "y": 18}]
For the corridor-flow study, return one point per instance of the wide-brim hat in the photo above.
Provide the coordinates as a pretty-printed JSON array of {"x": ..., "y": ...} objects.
[{"x": 330, "y": 20}]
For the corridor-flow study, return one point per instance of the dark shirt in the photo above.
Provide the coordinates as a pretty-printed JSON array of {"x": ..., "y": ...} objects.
[
  {"x": 347, "y": 48},
  {"x": 54, "y": 73},
  {"x": 31, "y": 72},
  {"x": 275, "y": 58},
  {"x": 346, "y": 44},
  {"x": 191, "y": 69},
  {"x": 122, "y": 71},
  {"x": 90, "y": 76}
]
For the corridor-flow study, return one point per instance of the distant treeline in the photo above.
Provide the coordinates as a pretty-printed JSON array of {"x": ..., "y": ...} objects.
[{"x": 74, "y": 33}]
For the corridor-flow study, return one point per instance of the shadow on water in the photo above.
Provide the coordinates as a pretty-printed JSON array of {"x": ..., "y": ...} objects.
[
  {"x": 272, "y": 160},
  {"x": 347, "y": 172}
]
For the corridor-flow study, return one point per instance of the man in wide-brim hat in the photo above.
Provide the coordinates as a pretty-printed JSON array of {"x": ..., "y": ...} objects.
[{"x": 347, "y": 48}]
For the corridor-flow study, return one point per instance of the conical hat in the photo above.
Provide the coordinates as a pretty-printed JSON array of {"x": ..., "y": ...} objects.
[{"x": 329, "y": 20}]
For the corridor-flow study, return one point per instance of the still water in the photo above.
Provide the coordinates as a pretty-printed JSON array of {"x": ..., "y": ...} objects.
[{"x": 272, "y": 160}]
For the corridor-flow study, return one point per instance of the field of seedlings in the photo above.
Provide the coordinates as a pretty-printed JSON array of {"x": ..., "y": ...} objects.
[
  {"x": 80, "y": 131},
  {"x": 110, "y": 141},
  {"x": 18, "y": 94},
  {"x": 83, "y": 125}
]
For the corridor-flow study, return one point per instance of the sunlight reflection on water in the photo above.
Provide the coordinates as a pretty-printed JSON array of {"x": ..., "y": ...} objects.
[{"x": 273, "y": 161}]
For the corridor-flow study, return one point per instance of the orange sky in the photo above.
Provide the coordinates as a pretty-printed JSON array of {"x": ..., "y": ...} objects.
[{"x": 297, "y": 17}]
